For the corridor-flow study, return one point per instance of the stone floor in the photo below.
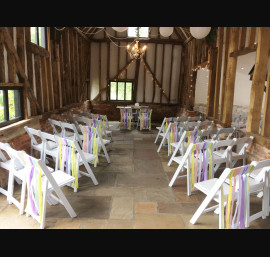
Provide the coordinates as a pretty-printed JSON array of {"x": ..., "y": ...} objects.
[{"x": 133, "y": 193}]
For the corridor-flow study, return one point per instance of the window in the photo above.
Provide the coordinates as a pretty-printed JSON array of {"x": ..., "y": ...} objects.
[
  {"x": 11, "y": 109},
  {"x": 38, "y": 36},
  {"x": 121, "y": 90},
  {"x": 138, "y": 31}
]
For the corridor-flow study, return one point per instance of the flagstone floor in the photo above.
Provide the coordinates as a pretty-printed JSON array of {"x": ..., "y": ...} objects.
[{"x": 133, "y": 193}]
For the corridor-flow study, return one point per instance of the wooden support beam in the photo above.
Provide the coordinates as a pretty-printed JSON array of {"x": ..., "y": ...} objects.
[
  {"x": 211, "y": 82},
  {"x": 11, "y": 48},
  {"x": 252, "y": 35},
  {"x": 35, "y": 49},
  {"x": 230, "y": 77},
  {"x": 2, "y": 61},
  {"x": 155, "y": 64},
  {"x": 44, "y": 84},
  {"x": 30, "y": 72},
  {"x": 171, "y": 69},
  {"x": 135, "y": 88},
  {"x": 258, "y": 81},
  {"x": 242, "y": 40},
  {"x": 266, "y": 113},
  {"x": 162, "y": 71},
  {"x": 225, "y": 60},
  {"x": 218, "y": 72},
  {"x": 243, "y": 51}
]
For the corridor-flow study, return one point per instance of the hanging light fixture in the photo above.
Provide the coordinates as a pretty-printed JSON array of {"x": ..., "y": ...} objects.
[{"x": 134, "y": 49}]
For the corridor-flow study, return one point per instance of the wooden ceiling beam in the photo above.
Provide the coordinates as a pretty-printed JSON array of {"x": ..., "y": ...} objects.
[
  {"x": 151, "y": 40},
  {"x": 81, "y": 33}
]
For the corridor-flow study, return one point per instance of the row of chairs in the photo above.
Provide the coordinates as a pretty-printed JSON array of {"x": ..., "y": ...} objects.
[
  {"x": 69, "y": 147},
  {"x": 201, "y": 159},
  {"x": 43, "y": 183}
]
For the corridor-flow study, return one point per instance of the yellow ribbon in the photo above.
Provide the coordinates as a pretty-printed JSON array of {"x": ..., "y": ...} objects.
[{"x": 192, "y": 179}]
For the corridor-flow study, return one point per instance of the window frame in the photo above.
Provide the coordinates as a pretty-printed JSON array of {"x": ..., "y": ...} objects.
[
  {"x": 121, "y": 81},
  {"x": 6, "y": 105},
  {"x": 141, "y": 37},
  {"x": 37, "y": 36}
]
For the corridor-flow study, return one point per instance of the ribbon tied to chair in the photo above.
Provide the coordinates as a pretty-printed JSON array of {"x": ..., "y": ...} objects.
[
  {"x": 67, "y": 158},
  {"x": 34, "y": 185},
  {"x": 145, "y": 119},
  {"x": 201, "y": 162},
  {"x": 95, "y": 123},
  {"x": 100, "y": 117},
  {"x": 237, "y": 218},
  {"x": 90, "y": 142},
  {"x": 175, "y": 134},
  {"x": 125, "y": 121}
]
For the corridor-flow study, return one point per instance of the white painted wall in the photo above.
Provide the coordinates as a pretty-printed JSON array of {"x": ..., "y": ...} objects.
[{"x": 168, "y": 76}]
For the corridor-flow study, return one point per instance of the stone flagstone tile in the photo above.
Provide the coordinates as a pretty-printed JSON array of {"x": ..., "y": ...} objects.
[
  {"x": 119, "y": 168},
  {"x": 205, "y": 221},
  {"x": 147, "y": 166},
  {"x": 19, "y": 222},
  {"x": 160, "y": 194},
  {"x": 145, "y": 207},
  {"x": 141, "y": 180},
  {"x": 74, "y": 223},
  {"x": 122, "y": 208},
  {"x": 158, "y": 221},
  {"x": 170, "y": 208},
  {"x": 93, "y": 224},
  {"x": 119, "y": 224},
  {"x": 114, "y": 191},
  {"x": 145, "y": 154}
]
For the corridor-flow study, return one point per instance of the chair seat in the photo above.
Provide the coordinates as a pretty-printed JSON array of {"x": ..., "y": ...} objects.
[
  {"x": 178, "y": 159},
  {"x": 174, "y": 144},
  {"x": 105, "y": 141},
  {"x": 52, "y": 152},
  {"x": 52, "y": 144},
  {"x": 88, "y": 157},
  {"x": 61, "y": 179},
  {"x": 21, "y": 173},
  {"x": 207, "y": 185}
]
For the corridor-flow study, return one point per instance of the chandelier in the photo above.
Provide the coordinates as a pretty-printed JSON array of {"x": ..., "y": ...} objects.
[{"x": 134, "y": 49}]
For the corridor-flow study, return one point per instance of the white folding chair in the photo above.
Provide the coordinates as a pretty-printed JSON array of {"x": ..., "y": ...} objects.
[
  {"x": 101, "y": 141},
  {"x": 164, "y": 125},
  {"x": 5, "y": 163},
  {"x": 227, "y": 132},
  {"x": 198, "y": 163},
  {"x": 42, "y": 184},
  {"x": 239, "y": 153},
  {"x": 56, "y": 126},
  {"x": 144, "y": 119},
  {"x": 208, "y": 135},
  {"x": 70, "y": 132},
  {"x": 221, "y": 153},
  {"x": 239, "y": 189},
  {"x": 17, "y": 172},
  {"x": 50, "y": 145},
  {"x": 207, "y": 123},
  {"x": 73, "y": 160},
  {"x": 35, "y": 137},
  {"x": 125, "y": 118}
]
